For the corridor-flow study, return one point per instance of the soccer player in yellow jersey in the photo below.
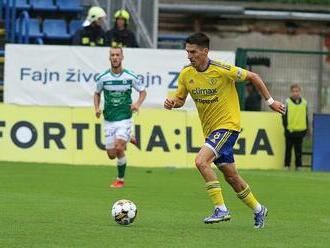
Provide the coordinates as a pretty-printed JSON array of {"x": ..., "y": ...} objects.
[{"x": 212, "y": 87}]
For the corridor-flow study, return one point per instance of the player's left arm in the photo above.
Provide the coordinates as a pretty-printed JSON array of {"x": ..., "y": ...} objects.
[
  {"x": 179, "y": 99},
  {"x": 256, "y": 80},
  {"x": 308, "y": 131},
  {"x": 136, "y": 105},
  {"x": 140, "y": 87}
]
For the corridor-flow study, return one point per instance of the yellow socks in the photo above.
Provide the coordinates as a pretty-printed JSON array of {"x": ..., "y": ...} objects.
[
  {"x": 214, "y": 191},
  {"x": 248, "y": 198}
]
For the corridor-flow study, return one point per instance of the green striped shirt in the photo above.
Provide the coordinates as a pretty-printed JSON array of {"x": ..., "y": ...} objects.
[{"x": 117, "y": 91}]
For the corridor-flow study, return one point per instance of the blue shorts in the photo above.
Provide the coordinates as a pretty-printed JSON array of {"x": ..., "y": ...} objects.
[{"x": 222, "y": 142}]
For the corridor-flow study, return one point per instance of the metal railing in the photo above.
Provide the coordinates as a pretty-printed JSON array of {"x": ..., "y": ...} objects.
[
  {"x": 10, "y": 16},
  {"x": 143, "y": 21},
  {"x": 23, "y": 34},
  {"x": 143, "y": 31},
  {"x": 24, "y": 29},
  {"x": 1, "y": 9}
]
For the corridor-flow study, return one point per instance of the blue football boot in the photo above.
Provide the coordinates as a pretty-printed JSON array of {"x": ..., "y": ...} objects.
[
  {"x": 218, "y": 216},
  {"x": 260, "y": 217}
]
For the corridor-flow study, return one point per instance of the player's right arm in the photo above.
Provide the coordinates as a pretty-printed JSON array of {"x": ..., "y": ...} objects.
[
  {"x": 97, "y": 97},
  {"x": 180, "y": 96},
  {"x": 97, "y": 101},
  {"x": 174, "y": 102}
]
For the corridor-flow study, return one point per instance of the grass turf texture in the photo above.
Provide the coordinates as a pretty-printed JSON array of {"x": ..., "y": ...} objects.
[{"x": 69, "y": 206}]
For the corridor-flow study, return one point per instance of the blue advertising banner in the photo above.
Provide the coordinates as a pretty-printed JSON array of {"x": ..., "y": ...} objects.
[{"x": 321, "y": 146}]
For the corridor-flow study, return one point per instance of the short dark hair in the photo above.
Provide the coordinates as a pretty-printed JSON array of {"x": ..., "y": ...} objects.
[
  {"x": 117, "y": 47},
  {"x": 199, "y": 39},
  {"x": 295, "y": 86}
]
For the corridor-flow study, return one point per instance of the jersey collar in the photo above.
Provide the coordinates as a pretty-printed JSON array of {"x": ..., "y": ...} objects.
[
  {"x": 298, "y": 101},
  {"x": 208, "y": 65},
  {"x": 116, "y": 75}
]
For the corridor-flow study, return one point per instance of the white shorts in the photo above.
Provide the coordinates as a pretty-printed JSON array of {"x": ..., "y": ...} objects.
[{"x": 117, "y": 130}]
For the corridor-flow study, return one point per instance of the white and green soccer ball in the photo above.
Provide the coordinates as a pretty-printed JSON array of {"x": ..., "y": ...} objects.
[{"x": 124, "y": 212}]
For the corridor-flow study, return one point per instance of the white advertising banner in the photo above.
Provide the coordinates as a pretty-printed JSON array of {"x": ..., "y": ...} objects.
[{"x": 65, "y": 75}]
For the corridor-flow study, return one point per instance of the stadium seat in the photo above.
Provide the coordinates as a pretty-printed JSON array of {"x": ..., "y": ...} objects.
[
  {"x": 69, "y": 6},
  {"x": 43, "y": 5},
  {"x": 55, "y": 29},
  {"x": 20, "y": 4},
  {"x": 34, "y": 28},
  {"x": 74, "y": 26}
]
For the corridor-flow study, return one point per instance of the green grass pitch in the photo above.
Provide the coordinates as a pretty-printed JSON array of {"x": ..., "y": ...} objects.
[{"x": 69, "y": 206}]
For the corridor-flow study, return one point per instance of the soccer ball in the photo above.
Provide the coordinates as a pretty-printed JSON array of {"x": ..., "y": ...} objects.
[{"x": 124, "y": 212}]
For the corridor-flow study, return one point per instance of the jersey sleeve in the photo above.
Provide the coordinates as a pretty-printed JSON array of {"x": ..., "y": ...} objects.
[
  {"x": 138, "y": 84},
  {"x": 99, "y": 85},
  {"x": 236, "y": 73},
  {"x": 182, "y": 91}
]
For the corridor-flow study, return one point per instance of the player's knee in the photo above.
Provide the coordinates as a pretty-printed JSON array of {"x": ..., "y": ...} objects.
[
  {"x": 200, "y": 163},
  {"x": 120, "y": 150},
  {"x": 111, "y": 155}
]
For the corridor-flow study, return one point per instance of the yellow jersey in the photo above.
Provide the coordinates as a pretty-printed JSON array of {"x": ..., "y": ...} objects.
[{"x": 214, "y": 94}]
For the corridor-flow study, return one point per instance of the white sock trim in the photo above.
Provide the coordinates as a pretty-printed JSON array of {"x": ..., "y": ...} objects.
[
  {"x": 121, "y": 161},
  {"x": 222, "y": 207},
  {"x": 257, "y": 208}
]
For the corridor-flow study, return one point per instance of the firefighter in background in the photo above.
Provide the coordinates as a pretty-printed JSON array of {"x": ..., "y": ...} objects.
[
  {"x": 92, "y": 32},
  {"x": 120, "y": 35},
  {"x": 295, "y": 122}
]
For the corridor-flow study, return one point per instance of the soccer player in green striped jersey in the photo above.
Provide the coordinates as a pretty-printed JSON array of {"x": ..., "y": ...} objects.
[{"x": 116, "y": 84}]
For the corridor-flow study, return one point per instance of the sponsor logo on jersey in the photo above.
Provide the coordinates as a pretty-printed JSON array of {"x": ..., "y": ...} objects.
[
  {"x": 207, "y": 92},
  {"x": 206, "y": 101},
  {"x": 213, "y": 81}
]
